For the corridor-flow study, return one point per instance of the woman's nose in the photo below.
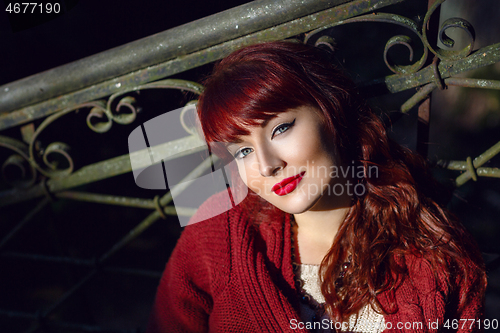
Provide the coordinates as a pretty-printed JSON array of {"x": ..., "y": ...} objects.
[{"x": 270, "y": 163}]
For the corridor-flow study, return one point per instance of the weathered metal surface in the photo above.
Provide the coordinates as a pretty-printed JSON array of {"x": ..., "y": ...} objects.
[
  {"x": 463, "y": 166},
  {"x": 472, "y": 83},
  {"x": 396, "y": 40},
  {"x": 473, "y": 168},
  {"x": 102, "y": 170},
  {"x": 122, "y": 201},
  {"x": 419, "y": 96},
  {"x": 476, "y": 163},
  {"x": 423, "y": 92},
  {"x": 158, "y": 48},
  {"x": 395, "y": 83},
  {"x": 424, "y": 109},
  {"x": 445, "y": 54},
  {"x": 189, "y": 61}
]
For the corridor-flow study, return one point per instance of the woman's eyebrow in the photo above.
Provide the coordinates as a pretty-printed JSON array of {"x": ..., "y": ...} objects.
[
  {"x": 234, "y": 143},
  {"x": 265, "y": 122}
]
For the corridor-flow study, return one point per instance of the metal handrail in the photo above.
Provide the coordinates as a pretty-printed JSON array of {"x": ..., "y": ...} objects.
[
  {"x": 179, "y": 41},
  {"x": 25, "y": 105}
]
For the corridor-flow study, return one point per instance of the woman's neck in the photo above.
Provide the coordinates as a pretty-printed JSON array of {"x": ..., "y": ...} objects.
[{"x": 315, "y": 231}]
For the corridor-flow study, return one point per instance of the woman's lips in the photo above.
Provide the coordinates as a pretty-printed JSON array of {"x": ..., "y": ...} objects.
[{"x": 287, "y": 185}]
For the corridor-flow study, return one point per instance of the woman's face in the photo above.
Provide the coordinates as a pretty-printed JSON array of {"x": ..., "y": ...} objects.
[{"x": 287, "y": 162}]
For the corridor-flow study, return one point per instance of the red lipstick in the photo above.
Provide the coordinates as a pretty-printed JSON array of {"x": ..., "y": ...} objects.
[{"x": 287, "y": 185}]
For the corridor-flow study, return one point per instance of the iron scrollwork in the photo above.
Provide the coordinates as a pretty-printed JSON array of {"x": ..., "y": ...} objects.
[
  {"x": 407, "y": 41},
  {"x": 54, "y": 160}
]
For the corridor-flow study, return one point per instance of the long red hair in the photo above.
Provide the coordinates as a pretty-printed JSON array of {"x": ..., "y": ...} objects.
[{"x": 398, "y": 213}]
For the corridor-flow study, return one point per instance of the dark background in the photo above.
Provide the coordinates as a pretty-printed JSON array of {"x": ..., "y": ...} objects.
[{"x": 465, "y": 122}]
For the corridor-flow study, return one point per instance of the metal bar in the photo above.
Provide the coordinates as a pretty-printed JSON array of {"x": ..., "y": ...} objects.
[
  {"x": 123, "y": 201},
  {"x": 424, "y": 109},
  {"x": 488, "y": 172},
  {"x": 462, "y": 166},
  {"x": 69, "y": 293},
  {"x": 185, "y": 62},
  {"x": 423, "y": 92},
  {"x": 101, "y": 170},
  {"x": 26, "y": 219},
  {"x": 107, "y": 199},
  {"x": 154, "y": 216},
  {"x": 419, "y": 96},
  {"x": 158, "y": 48},
  {"x": 485, "y": 56},
  {"x": 478, "y": 161},
  {"x": 472, "y": 83},
  {"x": 79, "y": 262}
]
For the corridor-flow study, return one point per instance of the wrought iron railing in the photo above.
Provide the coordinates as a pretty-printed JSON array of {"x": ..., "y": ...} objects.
[{"x": 106, "y": 87}]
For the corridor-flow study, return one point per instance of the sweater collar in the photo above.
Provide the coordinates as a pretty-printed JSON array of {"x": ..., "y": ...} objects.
[{"x": 265, "y": 273}]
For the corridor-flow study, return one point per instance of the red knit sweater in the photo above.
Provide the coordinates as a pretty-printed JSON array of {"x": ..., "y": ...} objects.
[{"x": 227, "y": 275}]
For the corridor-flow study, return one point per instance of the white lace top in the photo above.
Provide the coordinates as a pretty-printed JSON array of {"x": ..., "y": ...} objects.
[{"x": 366, "y": 321}]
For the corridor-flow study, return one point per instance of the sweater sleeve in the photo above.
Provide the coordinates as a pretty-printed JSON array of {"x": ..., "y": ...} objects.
[
  {"x": 470, "y": 318},
  {"x": 426, "y": 305},
  {"x": 182, "y": 302},
  {"x": 184, "y": 297}
]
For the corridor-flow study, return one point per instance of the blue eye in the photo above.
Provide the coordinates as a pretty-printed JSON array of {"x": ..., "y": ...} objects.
[
  {"x": 241, "y": 153},
  {"x": 282, "y": 128}
]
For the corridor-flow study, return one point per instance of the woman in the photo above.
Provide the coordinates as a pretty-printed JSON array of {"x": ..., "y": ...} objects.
[{"x": 340, "y": 230}]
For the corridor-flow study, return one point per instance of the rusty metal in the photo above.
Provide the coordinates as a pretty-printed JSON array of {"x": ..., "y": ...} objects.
[
  {"x": 418, "y": 97},
  {"x": 396, "y": 40},
  {"x": 434, "y": 6},
  {"x": 488, "y": 55},
  {"x": 423, "y": 92},
  {"x": 188, "y": 61},
  {"x": 99, "y": 171},
  {"x": 173, "y": 43},
  {"x": 477, "y": 162},
  {"x": 123, "y": 201},
  {"x": 424, "y": 109},
  {"x": 473, "y": 168},
  {"x": 472, "y": 83},
  {"x": 437, "y": 76}
]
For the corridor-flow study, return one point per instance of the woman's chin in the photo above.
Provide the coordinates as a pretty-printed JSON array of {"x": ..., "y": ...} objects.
[{"x": 295, "y": 204}]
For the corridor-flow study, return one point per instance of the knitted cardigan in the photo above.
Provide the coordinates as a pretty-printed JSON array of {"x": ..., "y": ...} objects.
[{"x": 228, "y": 275}]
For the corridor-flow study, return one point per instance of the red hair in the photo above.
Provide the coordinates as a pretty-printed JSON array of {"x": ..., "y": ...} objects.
[{"x": 397, "y": 215}]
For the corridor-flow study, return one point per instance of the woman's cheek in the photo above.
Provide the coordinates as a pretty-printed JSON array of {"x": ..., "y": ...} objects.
[
  {"x": 254, "y": 185},
  {"x": 245, "y": 170}
]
